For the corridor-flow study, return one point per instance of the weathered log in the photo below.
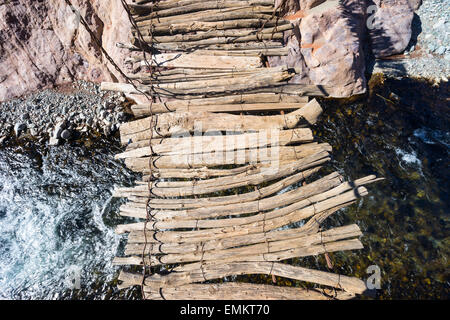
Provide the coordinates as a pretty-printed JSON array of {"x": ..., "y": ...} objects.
[
  {"x": 187, "y": 203},
  {"x": 193, "y": 61},
  {"x": 217, "y": 84},
  {"x": 263, "y": 101},
  {"x": 268, "y": 239},
  {"x": 212, "y": 75},
  {"x": 163, "y": 77},
  {"x": 262, "y": 224},
  {"x": 260, "y": 80},
  {"x": 194, "y": 26},
  {"x": 239, "y": 291},
  {"x": 287, "y": 198},
  {"x": 210, "y": 16},
  {"x": 304, "y": 196},
  {"x": 143, "y": 110},
  {"x": 138, "y": 236},
  {"x": 217, "y": 271},
  {"x": 208, "y": 5},
  {"x": 262, "y": 76},
  {"x": 210, "y": 41},
  {"x": 216, "y": 92},
  {"x": 190, "y": 46},
  {"x": 201, "y": 144},
  {"x": 250, "y": 52},
  {"x": 262, "y": 254},
  {"x": 273, "y": 155},
  {"x": 264, "y": 174},
  {"x": 163, "y": 7},
  {"x": 172, "y": 124}
]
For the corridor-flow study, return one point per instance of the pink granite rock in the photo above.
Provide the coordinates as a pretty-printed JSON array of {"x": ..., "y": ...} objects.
[
  {"x": 327, "y": 47},
  {"x": 389, "y": 26},
  {"x": 42, "y": 43}
]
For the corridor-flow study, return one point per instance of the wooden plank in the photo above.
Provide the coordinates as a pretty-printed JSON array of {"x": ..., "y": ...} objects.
[
  {"x": 182, "y": 123},
  {"x": 239, "y": 291},
  {"x": 193, "y": 61},
  {"x": 217, "y": 271},
  {"x": 243, "y": 102}
]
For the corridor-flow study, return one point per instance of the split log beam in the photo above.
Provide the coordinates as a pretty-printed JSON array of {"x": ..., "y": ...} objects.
[
  {"x": 271, "y": 155},
  {"x": 270, "y": 238},
  {"x": 212, "y": 15},
  {"x": 215, "y": 35},
  {"x": 193, "y": 61},
  {"x": 159, "y": 237},
  {"x": 217, "y": 271},
  {"x": 176, "y": 123},
  {"x": 260, "y": 102},
  {"x": 210, "y": 41},
  {"x": 265, "y": 225},
  {"x": 263, "y": 7},
  {"x": 239, "y": 291},
  {"x": 285, "y": 199},
  {"x": 202, "y": 144},
  {"x": 194, "y": 26}
]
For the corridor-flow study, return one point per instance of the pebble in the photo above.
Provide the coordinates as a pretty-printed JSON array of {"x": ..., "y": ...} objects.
[
  {"x": 19, "y": 127},
  {"x": 66, "y": 134},
  {"x": 34, "y": 132},
  {"x": 55, "y": 117},
  {"x": 53, "y": 141},
  {"x": 60, "y": 126},
  {"x": 440, "y": 50}
]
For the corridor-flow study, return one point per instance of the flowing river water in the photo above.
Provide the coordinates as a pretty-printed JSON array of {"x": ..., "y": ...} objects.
[{"x": 57, "y": 216}]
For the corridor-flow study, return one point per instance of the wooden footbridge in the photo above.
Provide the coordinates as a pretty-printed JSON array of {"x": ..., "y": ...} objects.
[{"x": 232, "y": 181}]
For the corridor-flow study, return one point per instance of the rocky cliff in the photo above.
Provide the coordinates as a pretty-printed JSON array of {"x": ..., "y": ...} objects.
[{"x": 42, "y": 43}]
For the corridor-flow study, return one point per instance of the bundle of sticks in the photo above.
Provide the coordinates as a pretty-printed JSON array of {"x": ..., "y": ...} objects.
[{"x": 230, "y": 168}]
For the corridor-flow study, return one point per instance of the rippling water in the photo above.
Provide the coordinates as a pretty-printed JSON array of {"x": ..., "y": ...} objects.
[
  {"x": 56, "y": 220},
  {"x": 57, "y": 215}
]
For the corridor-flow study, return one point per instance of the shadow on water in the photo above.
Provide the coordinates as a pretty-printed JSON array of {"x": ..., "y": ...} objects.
[{"x": 399, "y": 131}]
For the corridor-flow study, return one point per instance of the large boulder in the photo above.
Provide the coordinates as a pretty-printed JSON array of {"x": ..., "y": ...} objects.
[
  {"x": 42, "y": 43},
  {"x": 389, "y": 25},
  {"x": 327, "y": 45}
]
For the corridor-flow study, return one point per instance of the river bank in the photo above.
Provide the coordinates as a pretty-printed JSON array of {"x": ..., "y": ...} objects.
[
  {"x": 428, "y": 52},
  {"x": 56, "y": 116}
]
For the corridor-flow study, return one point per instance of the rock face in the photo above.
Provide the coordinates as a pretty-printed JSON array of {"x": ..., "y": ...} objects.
[
  {"x": 389, "y": 26},
  {"x": 42, "y": 43},
  {"x": 330, "y": 36}
]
